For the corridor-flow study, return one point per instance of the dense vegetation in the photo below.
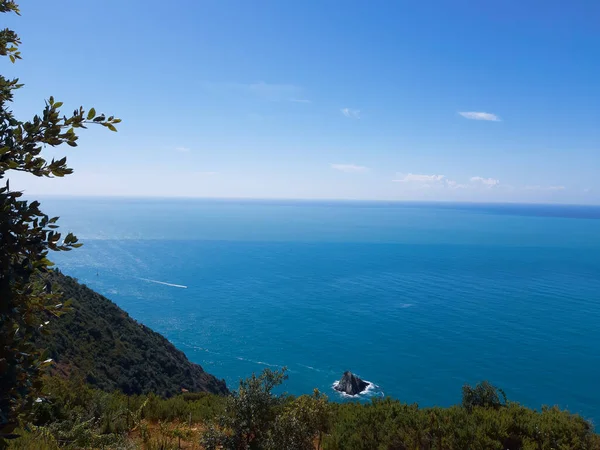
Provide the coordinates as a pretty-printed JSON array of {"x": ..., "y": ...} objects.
[
  {"x": 390, "y": 424},
  {"x": 98, "y": 342},
  {"x": 74, "y": 415}
]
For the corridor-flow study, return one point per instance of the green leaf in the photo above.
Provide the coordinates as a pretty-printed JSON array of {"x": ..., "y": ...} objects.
[
  {"x": 58, "y": 104},
  {"x": 111, "y": 127},
  {"x": 91, "y": 114}
]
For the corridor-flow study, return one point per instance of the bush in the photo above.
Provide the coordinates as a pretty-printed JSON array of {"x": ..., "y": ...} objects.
[
  {"x": 390, "y": 424},
  {"x": 483, "y": 395}
]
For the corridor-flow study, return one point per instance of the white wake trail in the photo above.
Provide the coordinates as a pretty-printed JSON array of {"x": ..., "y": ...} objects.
[{"x": 181, "y": 286}]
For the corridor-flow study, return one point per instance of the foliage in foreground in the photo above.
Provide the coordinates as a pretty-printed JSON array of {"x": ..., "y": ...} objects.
[
  {"x": 255, "y": 418},
  {"x": 74, "y": 415},
  {"x": 27, "y": 235},
  {"x": 78, "y": 416},
  {"x": 390, "y": 424}
]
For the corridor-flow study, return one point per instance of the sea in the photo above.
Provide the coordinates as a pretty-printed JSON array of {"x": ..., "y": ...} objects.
[{"x": 416, "y": 298}]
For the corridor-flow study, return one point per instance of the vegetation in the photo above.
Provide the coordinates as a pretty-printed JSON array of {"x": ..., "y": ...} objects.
[
  {"x": 99, "y": 343},
  {"x": 26, "y": 236},
  {"x": 484, "y": 395},
  {"x": 390, "y": 424},
  {"x": 74, "y": 415},
  {"x": 255, "y": 418}
]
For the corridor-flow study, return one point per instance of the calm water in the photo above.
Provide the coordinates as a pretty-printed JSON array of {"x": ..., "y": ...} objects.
[{"x": 419, "y": 299}]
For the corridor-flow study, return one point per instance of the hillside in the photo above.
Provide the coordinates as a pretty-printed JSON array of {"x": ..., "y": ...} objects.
[{"x": 102, "y": 344}]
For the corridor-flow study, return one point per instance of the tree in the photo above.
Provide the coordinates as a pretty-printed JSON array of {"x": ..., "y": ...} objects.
[
  {"x": 27, "y": 302},
  {"x": 302, "y": 420},
  {"x": 484, "y": 395},
  {"x": 249, "y": 414}
]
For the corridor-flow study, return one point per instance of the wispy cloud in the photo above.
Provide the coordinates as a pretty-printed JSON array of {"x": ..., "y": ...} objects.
[
  {"x": 476, "y": 115},
  {"x": 441, "y": 181},
  {"x": 488, "y": 182},
  {"x": 351, "y": 113},
  {"x": 476, "y": 184},
  {"x": 273, "y": 92},
  {"x": 418, "y": 178},
  {"x": 350, "y": 168},
  {"x": 182, "y": 149},
  {"x": 545, "y": 188},
  {"x": 454, "y": 185}
]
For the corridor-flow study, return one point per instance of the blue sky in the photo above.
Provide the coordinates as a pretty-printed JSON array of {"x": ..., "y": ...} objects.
[{"x": 440, "y": 100}]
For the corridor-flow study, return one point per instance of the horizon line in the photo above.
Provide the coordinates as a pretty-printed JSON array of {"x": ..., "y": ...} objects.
[{"x": 303, "y": 199}]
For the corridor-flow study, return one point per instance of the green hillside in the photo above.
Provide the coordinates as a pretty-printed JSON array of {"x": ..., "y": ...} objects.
[{"x": 101, "y": 344}]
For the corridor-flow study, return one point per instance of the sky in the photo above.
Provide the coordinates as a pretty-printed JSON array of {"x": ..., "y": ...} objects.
[{"x": 462, "y": 100}]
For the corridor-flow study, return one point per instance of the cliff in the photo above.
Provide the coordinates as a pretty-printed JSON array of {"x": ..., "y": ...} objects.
[{"x": 102, "y": 344}]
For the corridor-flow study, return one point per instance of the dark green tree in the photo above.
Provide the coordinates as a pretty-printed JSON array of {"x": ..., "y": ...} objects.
[
  {"x": 301, "y": 422},
  {"x": 27, "y": 302},
  {"x": 484, "y": 395},
  {"x": 249, "y": 414}
]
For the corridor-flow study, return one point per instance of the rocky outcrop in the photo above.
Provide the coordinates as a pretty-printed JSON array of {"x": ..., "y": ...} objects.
[{"x": 350, "y": 384}]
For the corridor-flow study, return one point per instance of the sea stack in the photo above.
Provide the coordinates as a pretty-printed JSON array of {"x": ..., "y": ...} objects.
[{"x": 350, "y": 384}]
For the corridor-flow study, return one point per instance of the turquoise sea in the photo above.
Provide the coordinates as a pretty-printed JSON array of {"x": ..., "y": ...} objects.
[{"x": 416, "y": 298}]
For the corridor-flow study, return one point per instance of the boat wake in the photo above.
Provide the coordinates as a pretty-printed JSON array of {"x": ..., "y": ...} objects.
[{"x": 181, "y": 286}]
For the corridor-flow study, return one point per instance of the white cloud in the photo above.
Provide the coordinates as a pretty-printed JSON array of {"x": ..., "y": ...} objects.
[
  {"x": 350, "y": 168},
  {"x": 475, "y": 115},
  {"x": 418, "y": 178},
  {"x": 440, "y": 181},
  {"x": 273, "y": 92},
  {"x": 454, "y": 185},
  {"x": 182, "y": 149},
  {"x": 351, "y": 113},
  {"x": 488, "y": 182}
]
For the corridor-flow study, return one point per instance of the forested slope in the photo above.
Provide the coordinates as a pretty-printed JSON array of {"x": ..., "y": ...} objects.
[{"x": 102, "y": 344}]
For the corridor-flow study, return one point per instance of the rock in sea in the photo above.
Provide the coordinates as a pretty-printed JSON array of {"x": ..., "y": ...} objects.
[{"x": 351, "y": 384}]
